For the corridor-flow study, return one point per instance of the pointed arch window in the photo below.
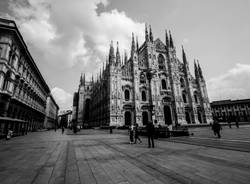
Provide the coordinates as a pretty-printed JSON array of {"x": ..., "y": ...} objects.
[
  {"x": 127, "y": 94},
  {"x": 163, "y": 84},
  {"x": 184, "y": 97},
  {"x": 182, "y": 82},
  {"x": 161, "y": 62},
  {"x": 6, "y": 80},
  {"x": 143, "y": 96}
]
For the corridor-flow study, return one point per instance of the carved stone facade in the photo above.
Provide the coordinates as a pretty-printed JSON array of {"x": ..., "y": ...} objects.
[
  {"x": 152, "y": 84},
  {"x": 23, "y": 91}
]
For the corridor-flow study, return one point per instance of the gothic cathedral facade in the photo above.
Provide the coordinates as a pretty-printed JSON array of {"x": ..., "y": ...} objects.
[{"x": 150, "y": 85}]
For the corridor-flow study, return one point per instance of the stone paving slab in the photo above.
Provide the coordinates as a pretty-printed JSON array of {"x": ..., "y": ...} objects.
[{"x": 95, "y": 156}]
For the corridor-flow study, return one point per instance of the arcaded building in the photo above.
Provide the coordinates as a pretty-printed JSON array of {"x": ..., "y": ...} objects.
[
  {"x": 151, "y": 84},
  {"x": 23, "y": 90},
  {"x": 225, "y": 109},
  {"x": 51, "y": 117}
]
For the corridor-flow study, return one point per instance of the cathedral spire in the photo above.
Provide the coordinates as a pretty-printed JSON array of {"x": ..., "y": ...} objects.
[
  {"x": 137, "y": 44},
  {"x": 133, "y": 45},
  {"x": 171, "y": 44},
  {"x": 196, "y": 72},
  {"x": 118, "y": 57},
  {"x": 81, "y": 80},
  {"x": 146, "y": 33},
  {"x": 167, "y": 40},
  {"x": 151, "y": 34},
  {"x": 111, "y": 54},
  {"x": 199, "y": 70},
  {"x": 184, "y": 58},
  {"x": 125, "y": 57}
]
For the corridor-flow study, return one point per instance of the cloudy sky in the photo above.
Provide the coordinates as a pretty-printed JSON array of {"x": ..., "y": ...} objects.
[{"x": 67, "y": 37}]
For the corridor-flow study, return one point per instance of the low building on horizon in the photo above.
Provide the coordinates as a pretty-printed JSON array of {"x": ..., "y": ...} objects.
[{"x": 225, "y": 109}]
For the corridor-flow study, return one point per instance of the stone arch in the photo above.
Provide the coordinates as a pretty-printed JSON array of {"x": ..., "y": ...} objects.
[
  {"x": 143, "y": 95},
  {"x": 144, "y": 117},
  {"x": 167, "y": 115},
  {"x": 163, "y": 84},
  {"x": 127, "y": 118},
  {"x": 184, "y": 96},
  {"x": 161, "y": 62},
  {"x": 127, "y": 94},
  {"x": 6, "y": 80},
  {"x": 182, "y": 82},
  {"x": 196, "y": 97}
]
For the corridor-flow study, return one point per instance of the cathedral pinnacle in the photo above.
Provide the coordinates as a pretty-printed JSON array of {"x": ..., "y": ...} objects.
[
  {"x": 167, "y": 40},
  {"x": 146, "y": 33},
  {"x": 118, "y": 57},
  {"x": 111, "y": 54},
  {"x": 171, "y": 44},
  {"x": 151, "y": 34},
  {"x": 137, "y": 44},
  {"x": 133, "y": 45},
  {"x": 184, "y": 56},
  {"x": 199, "y": 70}
]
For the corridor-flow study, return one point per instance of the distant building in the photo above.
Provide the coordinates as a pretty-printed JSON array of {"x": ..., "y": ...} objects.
[
  {"x": 65, "y": 118},
  {"x": 152, "y": 84},
  {"x": 23, "y": 90},
  {"x": 231, "y": 108},
  {"x": 51, "y": 117}
]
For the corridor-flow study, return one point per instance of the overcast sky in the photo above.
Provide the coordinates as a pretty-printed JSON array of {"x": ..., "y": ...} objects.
[{"x": 67, "y": 37}]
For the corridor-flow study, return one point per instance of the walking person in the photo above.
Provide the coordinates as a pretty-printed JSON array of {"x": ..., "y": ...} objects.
[
  {"x": 217, "y": 128},
  {"x": 237, "y": 121},
  {"x": 150, "y": 131},
  {"x": 131, "y": 134},
  {"x": 136, "y": 134},
  {"x": 62, "y": 129}
]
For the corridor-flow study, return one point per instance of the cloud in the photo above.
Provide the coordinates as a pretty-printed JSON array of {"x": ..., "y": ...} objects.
[
  {"x": 234, "y": 84},
  {"x": 63, "y": 34},
  {"x": 63, "y": 99}
]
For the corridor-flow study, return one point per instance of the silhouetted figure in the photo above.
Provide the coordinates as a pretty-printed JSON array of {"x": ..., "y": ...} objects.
[
  {"x": 131, "y": 134},
  {"x": 216, "y": 128},
  {"x": 237, "y": 121},
  {"x": 137, "y": 134},
  {"x": 110, "y": 129},
  {"x": 62, "y": 129},
  {"x": 150, "y": 131}
]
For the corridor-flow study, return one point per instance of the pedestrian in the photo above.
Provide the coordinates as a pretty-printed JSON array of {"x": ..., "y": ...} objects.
[
  {"x": 217, "y": 128},
  {"x": 110, "y": 129},
  {"x": 136, "y": 132},
  {"x": 131, "y": 134},
  {"x": 150, "y": 131},
  {"x": 237, "y": 121},
  {"x": 62, "y": 129}
]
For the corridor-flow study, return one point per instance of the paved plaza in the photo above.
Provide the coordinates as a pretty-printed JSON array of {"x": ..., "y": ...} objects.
[{"x": 95, "y": 156}]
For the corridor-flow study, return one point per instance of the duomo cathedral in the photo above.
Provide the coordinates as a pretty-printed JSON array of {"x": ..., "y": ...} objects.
[{"x": 152, "y": 84}]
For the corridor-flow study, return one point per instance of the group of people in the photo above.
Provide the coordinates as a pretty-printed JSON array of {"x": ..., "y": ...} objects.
[
  {"x": 134, "y": 134},
  {"x": 231, "y": 119}
]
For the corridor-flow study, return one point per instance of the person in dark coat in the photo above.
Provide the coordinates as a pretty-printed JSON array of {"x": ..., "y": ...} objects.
[
  {"x": 131, "y": 134},
  {"x": 62, "y": 129},
  {"x": 150, "y": 131},
  {"x": 217, "y": 128},
  {"x": 237, "y": 121},
  {"x": 136, "y": 134}
]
